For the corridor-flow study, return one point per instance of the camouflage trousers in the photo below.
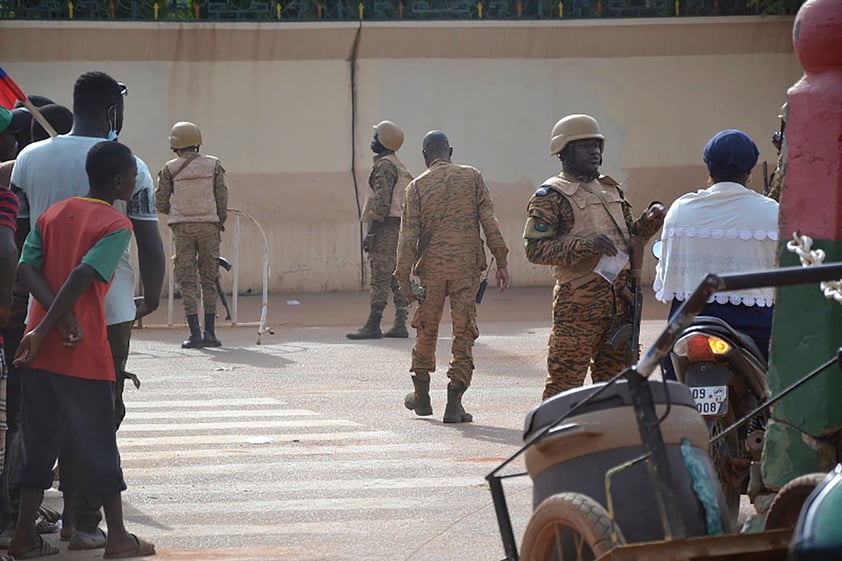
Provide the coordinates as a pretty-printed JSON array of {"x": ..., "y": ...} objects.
[
  {"x": 383, "y": 256},
  {"x": 197, "y": 263},
  {"x": 583, "y": 319},
  {"x": 463, "y": 313}
]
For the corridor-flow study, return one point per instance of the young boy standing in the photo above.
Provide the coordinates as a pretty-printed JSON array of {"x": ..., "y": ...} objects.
[{"x": 67, "y": 263}]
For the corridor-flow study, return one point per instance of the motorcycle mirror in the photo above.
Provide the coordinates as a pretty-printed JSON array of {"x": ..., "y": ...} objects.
[{"x": 656, "y": 249}]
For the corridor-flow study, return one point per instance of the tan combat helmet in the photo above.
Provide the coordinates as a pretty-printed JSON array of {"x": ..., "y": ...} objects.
[
  {"x": 389, "y": 135},
  {"x": 185, "y": 135},
  {"x": 782, "y": 114},
  {"x": 573, "y": 127}
]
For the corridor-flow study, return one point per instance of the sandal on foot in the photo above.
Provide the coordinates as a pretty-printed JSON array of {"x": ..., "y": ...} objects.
[
  {"x": 43, "y": 549},
  {"x": 44, "y": 526},
  {"x": 85, "y": 540},
  {"x": 142, "y": 549}
]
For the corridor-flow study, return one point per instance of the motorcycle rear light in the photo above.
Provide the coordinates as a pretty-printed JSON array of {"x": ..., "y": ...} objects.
[{"x": 698, "y": 347}]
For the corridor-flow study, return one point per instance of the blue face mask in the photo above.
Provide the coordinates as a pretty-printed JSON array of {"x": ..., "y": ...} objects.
[{"x": 112, "y": 135}]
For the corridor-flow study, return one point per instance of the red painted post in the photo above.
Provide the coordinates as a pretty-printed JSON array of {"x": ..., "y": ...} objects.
[
  {"x": 400, "y": 10},
  {"x": 814, "y": 126},
  {"x": 802, "y": 434},
  {"x": 519, "y": 9}
]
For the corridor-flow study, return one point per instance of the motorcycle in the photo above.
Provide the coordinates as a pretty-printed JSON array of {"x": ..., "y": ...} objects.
[{"x": 726, "y": 374}]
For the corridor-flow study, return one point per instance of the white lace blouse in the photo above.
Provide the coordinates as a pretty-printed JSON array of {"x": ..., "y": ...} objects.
[{"x": 724, "y": 229}]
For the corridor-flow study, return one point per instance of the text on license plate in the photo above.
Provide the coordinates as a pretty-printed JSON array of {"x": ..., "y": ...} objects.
[{"x": 710, "y": 400}]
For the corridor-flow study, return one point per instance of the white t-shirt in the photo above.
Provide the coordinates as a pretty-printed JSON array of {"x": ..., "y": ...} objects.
[
  {"x": 53, "y": 170},
  {"x": 724, "y": 229}
]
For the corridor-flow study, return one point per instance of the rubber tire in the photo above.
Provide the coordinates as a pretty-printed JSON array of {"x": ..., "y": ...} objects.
[
  {"x": 579, "y": 513},
  {"x": 728, "y": 447},
  {"x": 786, "y": 506}
]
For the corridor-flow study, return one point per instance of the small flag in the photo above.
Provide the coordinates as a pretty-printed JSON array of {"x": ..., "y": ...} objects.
[{"x": 10, "y": 93}]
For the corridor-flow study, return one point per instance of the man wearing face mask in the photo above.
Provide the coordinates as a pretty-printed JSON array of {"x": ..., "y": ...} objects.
[
  {"x": 382, "y": 212},
  {"x": 53, "y": 170},
  {"x": 573, "y": 220}
]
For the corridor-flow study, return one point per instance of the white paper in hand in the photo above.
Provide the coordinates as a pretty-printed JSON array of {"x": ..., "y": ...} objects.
[{"x": 610, "y": 266}]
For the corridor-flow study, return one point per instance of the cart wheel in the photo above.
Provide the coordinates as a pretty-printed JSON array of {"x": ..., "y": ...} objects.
[
  {"x": 569, "y": 527},
  {"x": 786, "y": 506},
  {"x": 723, "y": 453}
]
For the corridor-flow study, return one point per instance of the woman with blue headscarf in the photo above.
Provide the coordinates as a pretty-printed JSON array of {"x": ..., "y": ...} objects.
[{"x": 724, "y": 229}]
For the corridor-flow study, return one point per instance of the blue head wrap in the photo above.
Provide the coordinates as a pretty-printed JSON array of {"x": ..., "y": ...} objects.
[{"x": 730, "y": 153}]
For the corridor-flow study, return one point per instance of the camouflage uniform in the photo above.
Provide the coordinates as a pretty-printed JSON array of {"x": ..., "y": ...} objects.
[
  {"x": 563, "y": 216},
  {"x": 388, "y": 181},
  {"x": 440, "y": 243},
  {"x": 777, "y": 183},
  {"x": 197, "y": 214}
]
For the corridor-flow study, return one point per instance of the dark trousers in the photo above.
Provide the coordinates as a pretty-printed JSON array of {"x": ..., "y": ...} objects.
[
  {"x": 84, "y": 507},
  {"x": 57, "y": 409},
  {"x": 9, "y": 483}
]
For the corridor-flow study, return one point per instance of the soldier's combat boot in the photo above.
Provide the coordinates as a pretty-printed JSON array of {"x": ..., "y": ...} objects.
[
  {"x": 195, "y": 340},
  {"x": 419, "y": 400},
  {"x": 398, "y": 330},
  {"x": 371, "y": 329},
  {"x": 454, "y": 412},
  {"x": 210, "y": 339}
]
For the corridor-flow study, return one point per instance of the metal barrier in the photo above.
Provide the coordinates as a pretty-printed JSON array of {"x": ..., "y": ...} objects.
[{"x": 261, "y": 323}]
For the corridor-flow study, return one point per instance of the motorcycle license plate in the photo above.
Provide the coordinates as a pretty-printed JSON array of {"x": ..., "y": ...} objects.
[{"x": 711, "y": 400}]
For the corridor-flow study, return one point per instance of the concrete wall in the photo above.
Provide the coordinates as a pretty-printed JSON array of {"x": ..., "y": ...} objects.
[{"x": 275, "y": 102}]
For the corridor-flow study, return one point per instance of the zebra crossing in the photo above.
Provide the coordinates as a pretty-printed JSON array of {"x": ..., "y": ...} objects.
[{"x": 221, "y": 464}]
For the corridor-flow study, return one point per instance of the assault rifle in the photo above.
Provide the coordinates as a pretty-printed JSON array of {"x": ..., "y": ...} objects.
[
  {"x": 628, "y": 334},
  {"x": 227, "y": 266}
]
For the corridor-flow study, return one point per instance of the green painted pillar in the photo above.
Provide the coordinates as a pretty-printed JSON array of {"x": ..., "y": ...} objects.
[{"x": 805, "y": 432}]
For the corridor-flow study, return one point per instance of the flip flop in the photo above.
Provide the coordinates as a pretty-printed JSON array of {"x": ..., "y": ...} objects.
[
  {"x": 44, "y": 526},
  {"x": 143, "y": 549},
  {"x": 43, "y": 549},
  {"x": 84, "y": 540}
]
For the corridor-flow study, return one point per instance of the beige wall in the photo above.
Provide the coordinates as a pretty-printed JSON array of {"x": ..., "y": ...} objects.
[{"x": 274, "y": 103}]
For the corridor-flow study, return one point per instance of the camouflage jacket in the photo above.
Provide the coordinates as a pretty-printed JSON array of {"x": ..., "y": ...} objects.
[
  {"x": 549, "y": 211},
  {"x": 440, "y": 226}
]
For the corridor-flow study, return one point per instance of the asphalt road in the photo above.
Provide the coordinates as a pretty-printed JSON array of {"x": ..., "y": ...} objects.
[{"x": 300, "y": 447}]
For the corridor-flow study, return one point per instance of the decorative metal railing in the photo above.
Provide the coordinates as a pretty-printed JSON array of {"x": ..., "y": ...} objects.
[{"x": 308, "y": 10}]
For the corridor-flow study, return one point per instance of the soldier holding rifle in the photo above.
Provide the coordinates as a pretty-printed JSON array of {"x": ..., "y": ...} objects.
[{"x": 581, "y": 224}]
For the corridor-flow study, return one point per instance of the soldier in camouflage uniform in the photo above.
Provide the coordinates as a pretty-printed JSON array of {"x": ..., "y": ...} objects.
[
  {"x": 192, "y": 191},
  {"x": 440, "y": 243},
  {"x": 777, "y": 182},
  {"x": 388, "y": 180},
  {"x": 574, "y": 219}
]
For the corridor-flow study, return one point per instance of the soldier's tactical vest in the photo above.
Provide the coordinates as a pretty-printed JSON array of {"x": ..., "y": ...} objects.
[
  {"x": 590, "y": 217},
  {"x": 192, "y": 198},
  {"x": 398, "y": 192}
]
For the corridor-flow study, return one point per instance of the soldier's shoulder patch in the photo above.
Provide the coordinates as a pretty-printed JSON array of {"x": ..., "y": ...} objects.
[{"x": 542, "y": 191}]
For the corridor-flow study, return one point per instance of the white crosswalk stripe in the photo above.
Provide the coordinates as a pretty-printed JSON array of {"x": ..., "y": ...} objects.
[{"x": 258, "y": 471}]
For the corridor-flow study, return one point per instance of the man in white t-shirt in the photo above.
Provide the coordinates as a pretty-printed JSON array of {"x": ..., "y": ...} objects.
[
  {"x": 54, "y": 170},
  {"x": 724, "y": 229}
]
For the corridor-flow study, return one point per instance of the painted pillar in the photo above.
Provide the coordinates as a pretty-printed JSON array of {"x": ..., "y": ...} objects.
[{"x": 804, "y": 433}]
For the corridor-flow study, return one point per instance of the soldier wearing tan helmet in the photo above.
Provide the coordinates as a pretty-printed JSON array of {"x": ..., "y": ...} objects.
[
  {"x": 573, "y": 220},
  {"x": 192, "y": 191},
  {"x": 382, "y": 214}
]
